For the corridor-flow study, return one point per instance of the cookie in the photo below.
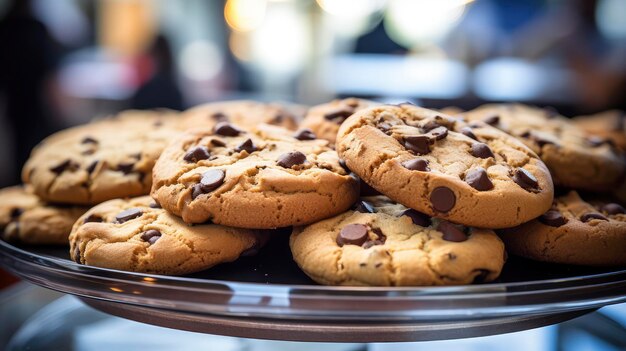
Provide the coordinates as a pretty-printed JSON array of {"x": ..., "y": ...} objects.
[
  {"x": 324, "y": 120},
  {"x": 262, "y": 179},
  {"x": 575, "y": 159},
  {"x": 137, "y": 235},
  {"x": 382, "y": 243},
  {"x": 472, "y": 174},
  {"x": 24, "y": 218},
  {"x": 609, "y": 125},
  {"x": 107, "y": 159},
  {"x": 243, "y": 113},
  {"x": 574, "y": 231}
]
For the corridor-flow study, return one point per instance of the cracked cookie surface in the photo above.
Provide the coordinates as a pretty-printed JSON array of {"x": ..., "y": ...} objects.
[
  {"x": 107, "y": 159},
  {"x": 136, "y": 235},
  {"x": 382, "y": 243},
  {"x": 24, "y": 218},
  {"x": 574, "y": 231},
  {"x": 575, "y": 159},
  {"x": 324, "y": 120},
  {"x": 261, "y": 179},
  {"x": 470, "y": 174}
]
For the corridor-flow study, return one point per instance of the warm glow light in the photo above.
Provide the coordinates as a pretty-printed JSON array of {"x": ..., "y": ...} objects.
[
  {"x": 201, "y": 60},
  {"x": 349, "y": 20},
  {"x": 244, "y": 15},
  {"x": 409, "y": 22},
  {"x": 238, "y": 45},
  {"x": 116, "y": 289}
]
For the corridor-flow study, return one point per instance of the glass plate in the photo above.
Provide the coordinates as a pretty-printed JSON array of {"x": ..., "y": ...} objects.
[{"x": 267, "y": 296}]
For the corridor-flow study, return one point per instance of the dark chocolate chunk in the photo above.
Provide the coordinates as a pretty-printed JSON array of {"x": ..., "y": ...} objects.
[
  {"x": 126, "y": 167},
  {"x": 478, "y": 179},
  {"x": 416, "y": 164},
  {"x": 452, "y": 232},
  {"x": 481, "y": 150},
  {"x": 442, "y": 199},
  {"x": 217, "y": 143},
  {"x": 430, "y": 125},
  {"x": 151, "y": 236},
  {"x": 89, "y": 140},
  {"x": 93, "y": 218},
  {"x": 16, "y": 212},
  {"x": 226, "y": 129},
  {"x": 352, "y": 234},
  {"x": 219, "y": 116},
  {"x": 291, "y": 159},
  {"x": 467, "y": 131},
  {"x": 61, "y": 167},
  {"x": 613, "y": 209},
  {"x": 439, "y": 133},
  {"x": 526, "y": 134},
  {"x": 589, "y": 216},
  {"x": 154, "y": 204},
  {"x": 525, "y": 179},
  {"x": 212, "y": 179},
  {"x": 305, "y": 134},
  {"x": 364, "y": 207},
  {"x": 595, "y": 141},
  {"x": 339, "y": 115},
  {"x": 553, "y": 218},
  {"x": 92, "y": 167},
  {"x": 380, "y": 239},
  {"x": 492, "y": 120},
  {"x": 196, "y": 191},
  {"x": 129, "y": 214},
  {"x": 197, "y": 153},
  {"x": 247, "y": 145},
  {"x": 418, "y": 218},
  {"x": 384, "y": 127},
  {"x": 420, "y": 144}
]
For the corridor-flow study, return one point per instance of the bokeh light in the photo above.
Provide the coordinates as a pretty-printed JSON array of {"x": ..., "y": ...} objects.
[
  {"x": 201, "y": 60},
  {"x": 245, "y": 15}
]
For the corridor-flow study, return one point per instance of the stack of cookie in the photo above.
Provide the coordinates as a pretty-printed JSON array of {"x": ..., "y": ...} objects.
[{"x": 221, "y": 176}]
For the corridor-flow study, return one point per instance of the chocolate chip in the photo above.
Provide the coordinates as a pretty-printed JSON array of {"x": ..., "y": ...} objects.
[
  {"x": 526, "y": 134},
  {"x": 364, "y": 207},
  {"x": 16, "y": 213},
  {"x": 126, "y": 167},
  {"x": 76, "y": 255},
  {"x": 136, "y": 156},
  {"x": 197, "y": 153},
  {"x": 61, "y": 167},
  {"x": 430, "y": 125},
  {"x": 154, "y": 204},
  {"x": 92, "y": 167},
  {"x": 247, "y": 145},
  {"x": 589, "y": 216},
  {"x": 452, "y": 232},
  {"x": 226, "y": 129},
  {"x": 613, "y": 209},
  {"x": 553, "y": 218},
  {"x": 380, "y": 239},
  {"x": 291, "y": 159},
  {"x": 217, "y": 143},
  {"x": 525, "y": 179},
  {"x": 416, "y": 164},
  {"x": 384, "y": 127},
  {"x": 93, "y": 218},
  {"x": 219, "y": 116},
  {"x": 151, "y": 236},
  {"x": 211, "y": 180},
  {"x": 442, "y": 199},
  {"x": 89, "y": 140},
  {"x": 339, "y": 115},
  {"x": 492, "y": 120},
  {"x": 478, "y": 179},
  {"x": 305, "y": 134},
  {"x": 196, "y": 191},
  {"x": 595, "y": 141},
  {"x": 352, "y": 234},
  {"x": 482, "y": 275},
  {"x": 418, "y": 218},
  {"x": 439, "y": 133},
  {"x": 420, "y": 144},
  {"x": 481, "y": 150},
  {"x": 467, "y": 131},
  {"x": 127, "y": 215}
]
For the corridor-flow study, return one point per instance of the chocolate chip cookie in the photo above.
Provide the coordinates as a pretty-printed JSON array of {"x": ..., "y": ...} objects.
[
  {"x": 137, "y": 235},
  {"x": 243, "y": 113},
  {"x": 381, "y": 243},
  {"x": 574, "y": 158},
  {"x": 24, "y": 218},
  {"x": 573, "y": 231},
  {"x": 470, "y": 174},
  {"x": 607, "y": 125},
  {"x": 262, "y": 179},
  {"x": 107, "y": 159},
  {"x": 324, "y": 120}
]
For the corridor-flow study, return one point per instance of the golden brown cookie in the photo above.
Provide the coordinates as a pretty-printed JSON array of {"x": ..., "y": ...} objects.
[
  {"x": 381, "y": 243},
  {"x": 473, "y": 174},
  {"x": 136, "y": 235},
  {"x": 610, "y": 125},
  {"x": 24, "y": 218},
  {"x": 575, "y": 159},
  {"x": 261, "y": 179},
  {"x": 574, "y": 231}
]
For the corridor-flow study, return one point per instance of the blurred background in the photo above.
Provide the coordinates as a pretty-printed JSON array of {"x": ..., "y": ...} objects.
[{"x": 64, "y": 62}]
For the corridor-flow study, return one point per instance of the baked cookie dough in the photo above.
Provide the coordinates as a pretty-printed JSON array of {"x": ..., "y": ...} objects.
[
  {"x": 262, "y": 179},
  {"x": 381, "y": 243},
  {"x": 324, "y": 120},
  {"x": 470, "y": 174},
  {"x": 574, "y": 231},
  {"x": 608, "y": 125},
  {"x": 24, "y": 218},
  {"x": 574, "y": 158},
  {"x": 137, "y": 235},
  {"x": 106, "y": 159}
]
